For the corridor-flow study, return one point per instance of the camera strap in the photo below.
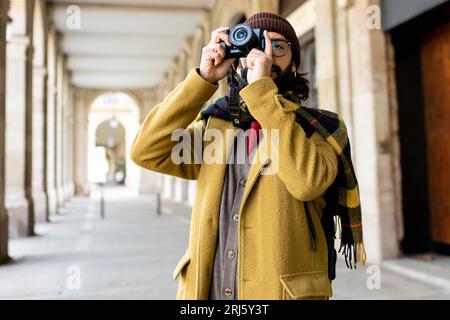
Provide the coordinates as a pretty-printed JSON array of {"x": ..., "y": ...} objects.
[
  {"x": 235, "y": 85},
  {"x": 233, "y": 106}
]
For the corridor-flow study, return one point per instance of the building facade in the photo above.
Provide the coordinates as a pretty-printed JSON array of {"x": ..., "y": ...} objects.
[{"x": 382, "y": 65}]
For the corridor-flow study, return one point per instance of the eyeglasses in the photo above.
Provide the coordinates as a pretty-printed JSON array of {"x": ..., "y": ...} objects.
[{"x": 280, "y": 47}]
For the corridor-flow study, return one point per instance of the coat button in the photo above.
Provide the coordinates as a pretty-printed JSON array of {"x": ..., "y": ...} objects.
[
  {"x": 242, "y": 182},
  {"x": 230, "y": 254},
  {"x": 228, "y": 292},
  {"x": 235, "y": 217}
]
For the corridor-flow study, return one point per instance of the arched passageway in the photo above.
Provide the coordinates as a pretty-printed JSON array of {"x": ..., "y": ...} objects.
[{"x": 113, "y": 123}]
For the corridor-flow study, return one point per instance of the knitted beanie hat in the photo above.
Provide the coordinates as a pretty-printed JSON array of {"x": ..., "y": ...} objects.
[{"x": 275, "y": 23}]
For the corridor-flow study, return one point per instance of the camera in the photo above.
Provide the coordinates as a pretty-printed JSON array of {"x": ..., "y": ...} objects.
[{"x": 243, "y": 39}]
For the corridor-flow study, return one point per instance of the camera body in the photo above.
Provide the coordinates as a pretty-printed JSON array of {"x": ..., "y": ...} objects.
[{"x": 243, "y": 39}]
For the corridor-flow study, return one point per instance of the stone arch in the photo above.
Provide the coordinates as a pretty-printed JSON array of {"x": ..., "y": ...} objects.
[
  {"x": 128, "y": 119},
  {"x": 102, "y": 128},
  {"x": 130, "y": 93}
]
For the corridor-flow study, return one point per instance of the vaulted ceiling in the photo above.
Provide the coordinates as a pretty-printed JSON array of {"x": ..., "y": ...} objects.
[{"x": 125, "y": 44}]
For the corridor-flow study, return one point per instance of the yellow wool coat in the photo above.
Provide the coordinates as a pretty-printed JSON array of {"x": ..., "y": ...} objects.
[{"x": 275, "y": 259}]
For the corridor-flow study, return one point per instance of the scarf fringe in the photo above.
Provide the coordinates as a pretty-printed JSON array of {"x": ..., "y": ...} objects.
[
  {"x": 337, "y": 226},
  {"x": 361, "y": 254},
  {"x": 354, "y": 254}
]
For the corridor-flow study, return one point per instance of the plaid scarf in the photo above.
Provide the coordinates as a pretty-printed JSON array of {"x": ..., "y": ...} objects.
[{"x": 342, "y": 197}]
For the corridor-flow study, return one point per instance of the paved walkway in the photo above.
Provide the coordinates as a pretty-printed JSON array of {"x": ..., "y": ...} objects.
[{"x": 131, "y": 254}]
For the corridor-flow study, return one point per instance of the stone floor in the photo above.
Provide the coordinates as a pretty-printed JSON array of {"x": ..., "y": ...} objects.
[{"x": 132, "y": 252}]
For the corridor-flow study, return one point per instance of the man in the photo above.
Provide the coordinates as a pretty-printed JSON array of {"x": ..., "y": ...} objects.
[{"x": 252, "y": 236}]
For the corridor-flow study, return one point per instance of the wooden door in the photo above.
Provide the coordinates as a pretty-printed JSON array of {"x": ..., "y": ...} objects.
[{"x": 435, "y": 60}]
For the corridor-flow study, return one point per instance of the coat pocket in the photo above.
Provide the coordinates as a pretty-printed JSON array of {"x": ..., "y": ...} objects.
[
  {"x": 181, "y": 273},
  {"x": 310, "y": 285}
]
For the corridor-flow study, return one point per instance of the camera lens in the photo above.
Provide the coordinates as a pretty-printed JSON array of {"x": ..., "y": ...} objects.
[{"x": 241, "y": 35}]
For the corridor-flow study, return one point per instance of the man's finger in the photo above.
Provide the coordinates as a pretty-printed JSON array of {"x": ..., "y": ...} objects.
[
  {"x": 268, "y": 44},
  {"x": 215, "y": 32},
  {"x": 224, "y": 37},
  {"x": 218, "y": 48},
  {"x": 217, "y": 59},
  {"x": 256, "y": 53},
  {"x": 250, "y": 61}
]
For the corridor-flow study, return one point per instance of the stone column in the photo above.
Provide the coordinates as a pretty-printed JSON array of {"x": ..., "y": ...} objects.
[
  {"x": 80, "y": 143},
  {"x": 59, "y": 128},
  {"x": 37, "y": 126},
  {"x": 167, "y": 189},
  {"x": 352, "y": 80},
  {"x": 70, "y": 142},
  {"x": 65, "y": 134},
  {"x": 192, "y": 189},
  {"x": 326, "y": 55},
  {"x": 373, "y": 136},
  {"x": 38, "y": 193},
  {"x": 150, "y": 181},
  {"x": 21, "y": 224},
  {"x": 3, "y": 213},
  {"x": 50, "y": 167}
]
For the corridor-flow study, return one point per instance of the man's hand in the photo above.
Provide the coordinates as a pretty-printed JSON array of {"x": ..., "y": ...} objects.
[
  {"x": 213, "y": 67},
  {"x": 259, "y": 63}
]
